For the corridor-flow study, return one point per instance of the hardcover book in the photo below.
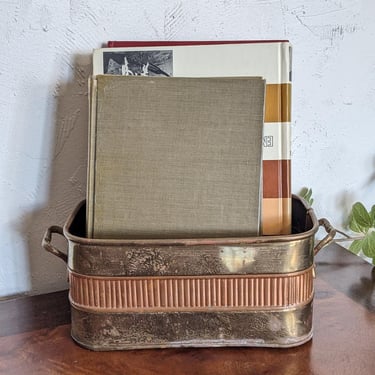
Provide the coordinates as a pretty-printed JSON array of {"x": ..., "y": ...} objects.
[
  {"x": 269, "y": 59},
  {"x": 175, "y": 158}
]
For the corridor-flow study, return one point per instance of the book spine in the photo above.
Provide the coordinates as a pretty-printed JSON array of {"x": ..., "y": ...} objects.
[
  {"x": 277, "y": 199},
  {"x": 147, "y": 43},
  {"x": 91, "y": 158}
]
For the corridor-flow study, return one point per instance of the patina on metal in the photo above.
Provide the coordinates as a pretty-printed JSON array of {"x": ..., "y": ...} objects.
[
  {"x": 282, "y": 328},
  {"x": 254, "y": 291}
]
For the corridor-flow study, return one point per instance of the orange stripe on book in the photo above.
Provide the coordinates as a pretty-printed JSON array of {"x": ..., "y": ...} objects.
[
  {"x": 278, "y": 102},
  {"x": 276, "y": 214},
  {"x": 275, "y": 171}
]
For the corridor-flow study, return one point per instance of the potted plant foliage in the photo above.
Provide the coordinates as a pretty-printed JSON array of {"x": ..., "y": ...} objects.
[{"x": 361, "y": 224}]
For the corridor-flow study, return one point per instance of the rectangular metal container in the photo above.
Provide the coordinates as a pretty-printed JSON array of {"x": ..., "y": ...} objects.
[{"x": 130, "y": 294}]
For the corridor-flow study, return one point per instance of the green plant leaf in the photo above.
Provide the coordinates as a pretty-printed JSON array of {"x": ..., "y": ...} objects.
[
  {"x": 361, "y": 217},
  {"x": 306, "y": 194},
  {"x": 372, "y": 215},
  {"x": 368, "y": 245},
  {"x": 356, "y": 246},
  {"x": 353, "y": 226}
]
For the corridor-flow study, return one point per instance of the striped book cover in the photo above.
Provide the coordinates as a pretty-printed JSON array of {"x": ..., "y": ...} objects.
[{"x": 269, "y": 59}]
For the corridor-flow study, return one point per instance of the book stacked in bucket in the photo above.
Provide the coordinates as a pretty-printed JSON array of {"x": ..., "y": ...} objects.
[{"x": 189, "y": 139}]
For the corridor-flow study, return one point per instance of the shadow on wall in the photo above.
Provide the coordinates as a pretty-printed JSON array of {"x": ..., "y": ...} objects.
[
  {"x": 371, "y": 180},
  {"x": 66, "y": 174},
  {"x": 347, "y": 198}
]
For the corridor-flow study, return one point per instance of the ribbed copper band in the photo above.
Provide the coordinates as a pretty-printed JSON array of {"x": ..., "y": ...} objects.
[{"x": 121, "y": 294}]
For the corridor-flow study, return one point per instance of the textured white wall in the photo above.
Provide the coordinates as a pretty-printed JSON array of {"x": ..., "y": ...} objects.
[{"x": 45, "y": 62}]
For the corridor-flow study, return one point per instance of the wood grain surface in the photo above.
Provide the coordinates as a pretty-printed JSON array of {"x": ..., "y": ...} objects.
[{"x": 35, "y": 336}]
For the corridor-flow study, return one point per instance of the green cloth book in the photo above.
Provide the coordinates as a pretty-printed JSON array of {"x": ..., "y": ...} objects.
[{"x": 174, "y": 157}]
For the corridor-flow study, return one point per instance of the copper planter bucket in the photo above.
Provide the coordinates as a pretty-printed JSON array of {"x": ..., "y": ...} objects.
[{"x": 130, "y": 294}]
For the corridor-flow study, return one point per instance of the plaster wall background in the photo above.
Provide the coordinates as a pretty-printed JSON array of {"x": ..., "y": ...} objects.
[{"x": 45, "y": 63}]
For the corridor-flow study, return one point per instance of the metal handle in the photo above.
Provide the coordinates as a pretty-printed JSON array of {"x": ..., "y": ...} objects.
[
  {"x": 331, "y": 233},
  {"x": 47, "y": 245}
]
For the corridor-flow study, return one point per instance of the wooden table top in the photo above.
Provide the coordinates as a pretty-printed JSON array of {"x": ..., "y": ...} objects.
[{"x": 35, "y": 335}]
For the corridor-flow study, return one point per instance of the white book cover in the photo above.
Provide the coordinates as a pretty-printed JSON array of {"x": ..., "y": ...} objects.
[{"x": 270, "y": 60}]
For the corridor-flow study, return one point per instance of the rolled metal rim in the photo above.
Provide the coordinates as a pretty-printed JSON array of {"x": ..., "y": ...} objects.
[{"x": 193, "y": 241}]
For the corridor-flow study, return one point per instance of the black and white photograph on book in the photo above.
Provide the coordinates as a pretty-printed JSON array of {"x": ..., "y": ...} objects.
[{"x": 139, "y": 63}]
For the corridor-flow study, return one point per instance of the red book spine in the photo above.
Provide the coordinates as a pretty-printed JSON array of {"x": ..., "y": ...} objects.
[{"x": 147, "y": 43}]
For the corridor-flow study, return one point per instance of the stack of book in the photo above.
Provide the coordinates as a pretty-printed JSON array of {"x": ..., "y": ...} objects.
[{"x": 202, "y": 153}]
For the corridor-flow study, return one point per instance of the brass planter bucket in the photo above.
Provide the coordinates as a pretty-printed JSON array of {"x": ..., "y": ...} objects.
[{"x": 128, "y": 294}]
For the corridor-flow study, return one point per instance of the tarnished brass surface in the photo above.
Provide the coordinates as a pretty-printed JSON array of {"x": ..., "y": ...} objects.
[
  {"x": 216, "y": 256},
  {"x": 128, "y": 294},
  {"x": 210, "y": 259},
  {"x": 117, "y": 331}
]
